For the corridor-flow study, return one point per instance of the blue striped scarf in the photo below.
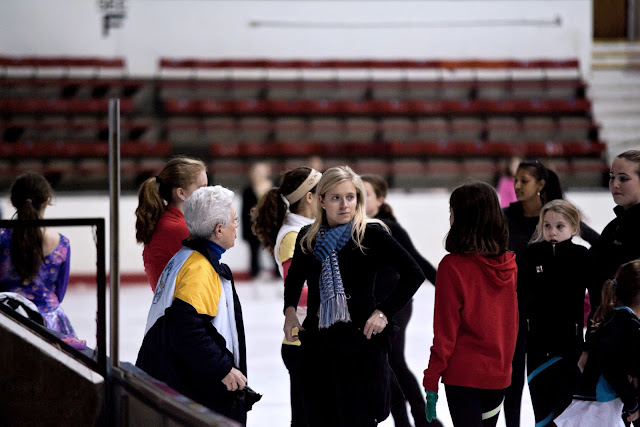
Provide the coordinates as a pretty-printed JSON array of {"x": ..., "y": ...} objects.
[{"x": 333, "y": 301}]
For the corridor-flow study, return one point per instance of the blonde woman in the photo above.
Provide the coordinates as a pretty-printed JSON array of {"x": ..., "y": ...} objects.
[{"x": 347, "y": 332}]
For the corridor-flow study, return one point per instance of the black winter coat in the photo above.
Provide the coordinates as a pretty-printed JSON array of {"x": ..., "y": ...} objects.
[
  {"x": 552, "y": 280},
  {"x": 347, "y": 375},
  {"x": 618, "y": 244},
  {"x": 359, "y": 269}
]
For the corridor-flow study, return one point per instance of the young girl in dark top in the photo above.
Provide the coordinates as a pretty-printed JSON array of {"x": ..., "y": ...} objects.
[
  {"x": 407, "y": 388},
  {"x": 346, "y": 337},
  {"x": 608, "y": 391},
  {"x": 552, "y": 276},
  {"x": 534, "y": 185}
]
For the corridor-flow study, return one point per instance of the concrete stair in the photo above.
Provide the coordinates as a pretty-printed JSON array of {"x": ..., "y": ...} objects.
[{"x": 614, "y": 88}]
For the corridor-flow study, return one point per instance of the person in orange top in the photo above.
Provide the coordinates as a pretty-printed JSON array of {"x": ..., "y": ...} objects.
[
  {"x": 476, "y": 310},
  {"x": 160, "y": 223}
]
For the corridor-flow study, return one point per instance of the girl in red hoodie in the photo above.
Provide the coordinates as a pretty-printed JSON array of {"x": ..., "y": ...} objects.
[{"x": 476, "y": 312}]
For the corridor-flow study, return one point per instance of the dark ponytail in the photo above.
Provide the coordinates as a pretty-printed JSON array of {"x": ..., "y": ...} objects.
[
  {"x": 29, "y": 193},
  {"x": 607, "y": 305},
  {"x": 552, "y": 190},
  {"x": 268, "y": 215},
  {"x": 156, "y": 192},
  {"x": 267, "y": 218},
  {"x": 624, "y": 290}
]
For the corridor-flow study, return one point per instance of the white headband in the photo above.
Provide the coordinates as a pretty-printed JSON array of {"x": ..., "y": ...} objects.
[{"x": 305, "y": 187}]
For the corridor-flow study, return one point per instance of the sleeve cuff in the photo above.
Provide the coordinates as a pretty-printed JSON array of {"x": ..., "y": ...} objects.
[
  {"x": 430, "y": 383},
  {"x": 632, "y": 410}
]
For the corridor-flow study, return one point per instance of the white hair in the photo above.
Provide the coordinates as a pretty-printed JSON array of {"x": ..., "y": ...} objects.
[{"x": 206, "y": 208}]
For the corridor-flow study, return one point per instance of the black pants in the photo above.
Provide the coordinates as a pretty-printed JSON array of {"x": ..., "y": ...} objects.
[
  {"x": 408, "y": 385},
  {"x": 473, "y": 407},
  {"x": 346, "y": 377},
  {"x": 552, "y": 382},
  {"x": 256, "y": 250},
  {"x": 513, "y": 393},
  {"x": 292, "y": 357}
]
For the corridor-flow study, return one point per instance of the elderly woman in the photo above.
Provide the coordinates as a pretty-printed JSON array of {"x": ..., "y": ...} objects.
[{"x": 194, "y": 339}]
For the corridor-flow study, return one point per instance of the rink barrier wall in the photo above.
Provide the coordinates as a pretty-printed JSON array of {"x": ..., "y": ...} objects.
[
  {"x": 411, "y": 209},
  {"x": 42, "y": 382}
]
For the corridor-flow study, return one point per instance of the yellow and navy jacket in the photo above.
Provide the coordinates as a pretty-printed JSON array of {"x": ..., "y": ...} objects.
[{"x": 182, "y": 345}]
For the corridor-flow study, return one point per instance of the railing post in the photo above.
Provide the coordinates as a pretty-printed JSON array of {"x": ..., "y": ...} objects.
[{"x": 114, "y": 193}]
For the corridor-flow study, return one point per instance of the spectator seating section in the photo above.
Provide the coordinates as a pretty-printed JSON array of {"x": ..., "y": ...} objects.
[
  {"x": 53, "y": 117},
  {"x": 420, "y": 123},
  {"x": 415, "y": 118}
]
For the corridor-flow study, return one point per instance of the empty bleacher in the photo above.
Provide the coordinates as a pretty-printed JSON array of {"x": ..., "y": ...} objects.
[
  {"x": 420, "y": 123},
  {"x": 419, "y": 118},
  {"x": 53, "y": 119}
]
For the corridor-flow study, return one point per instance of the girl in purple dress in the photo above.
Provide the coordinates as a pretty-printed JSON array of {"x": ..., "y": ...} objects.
[{"x": 34, "y": 262}]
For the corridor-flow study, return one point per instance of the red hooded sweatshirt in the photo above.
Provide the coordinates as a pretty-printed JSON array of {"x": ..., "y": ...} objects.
[
  {"x": 166, "y": 241},
  {"x": 475, "y": 322}
]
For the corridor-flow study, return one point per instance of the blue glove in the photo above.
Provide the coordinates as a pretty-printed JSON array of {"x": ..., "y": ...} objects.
[{"x": 432, "y": 398}]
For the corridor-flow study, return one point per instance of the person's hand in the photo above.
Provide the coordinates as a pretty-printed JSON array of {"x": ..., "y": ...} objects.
[
  {"x": 432, "y": 398},
  {"x": 234, "y": 380},
  {"x": 582, "y": 362},
  {"x": 291, "y": 324},
  {"x": 375, "y": 324},
  {"x": 633, "y": 416}
]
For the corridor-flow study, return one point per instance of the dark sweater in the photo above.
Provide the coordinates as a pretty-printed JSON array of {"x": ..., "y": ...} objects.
[
  {"x": 401, "y": 235},
  {"x": 387, "y": 275},
  {"x": 521, "y": 228},
  {"x": 358, "y": 269},
  {"x": 614, "y": 356},
  {"x": 618, "y": 244},
  {"x": 552, "y": 280}
]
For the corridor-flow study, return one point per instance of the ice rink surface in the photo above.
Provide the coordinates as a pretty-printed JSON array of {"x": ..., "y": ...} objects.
[{"x": 262, "y": 308}]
